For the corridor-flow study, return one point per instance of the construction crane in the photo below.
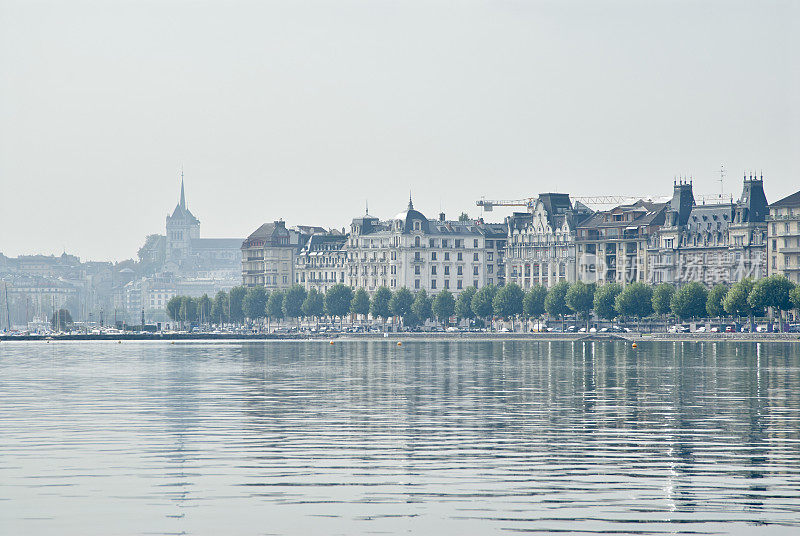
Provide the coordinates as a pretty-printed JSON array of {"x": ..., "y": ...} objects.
[{"x": 489, "y": 204}]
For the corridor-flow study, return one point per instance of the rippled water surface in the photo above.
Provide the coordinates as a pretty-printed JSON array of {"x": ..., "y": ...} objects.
[{"x": 370, "y": 438}]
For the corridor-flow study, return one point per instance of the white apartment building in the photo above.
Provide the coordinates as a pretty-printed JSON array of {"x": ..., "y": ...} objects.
[
  {"x": 541, "y": 242},
  {"x": 412, "y": 251}
]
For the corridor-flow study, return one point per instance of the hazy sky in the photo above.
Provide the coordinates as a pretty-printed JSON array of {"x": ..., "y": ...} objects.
[{"x": 303, "y": 110}]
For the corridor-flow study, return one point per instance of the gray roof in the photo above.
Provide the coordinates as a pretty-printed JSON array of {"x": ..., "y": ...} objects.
[
  {"x": 216, "y": 243},
  {"x": 792, "y": 200}
]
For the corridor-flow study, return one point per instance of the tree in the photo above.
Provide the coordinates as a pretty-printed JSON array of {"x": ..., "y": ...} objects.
[
  {"x": 464, "y": 217},
  {"x": 555, "y": 303},
  {"x": 379, "y": 306},
  {"x": 314, "y": 304},
  {"x": 421, "y": 307},
  {"x": 794, "y": 295},
  {"x": 61, "y": 320},
  {"x": 580, "y": 298},
  {"x": 360, "y": 303},
  {"x": 293, "y": 302},
  {"x": 401, "y": 301},
  {"x": 464, "y": 304},
  {"x": 737, "y": 301},
  {"x": 254, "y": 304},
  {"x": 174, "y": 308},
  {"x": 219, "y": 309},
  {"x": 689, "y": 301},
  {"x": 662, "y": 298},
  {"x": 188, "y": 311},
  {"x": 337, "y": 300},
  {"x": 605, "y": 300},
  {"x": 444, "y": 305},
  {"x": 482, "y": 302},
  {"x": 204, "y": 308},
  {"x": 274, "y": 308},
  {"x": 507, "y": 302},
  {"x": 236, "y": 304},
  {"x": 716, "y": 296},
  {"x": 533, "y": 302},
  {"x": 635, "y": 300},
  {"x": 772, "y": 292}
]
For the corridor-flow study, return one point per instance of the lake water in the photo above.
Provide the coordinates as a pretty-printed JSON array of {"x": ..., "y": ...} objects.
[{"x": 433, "y": 438}]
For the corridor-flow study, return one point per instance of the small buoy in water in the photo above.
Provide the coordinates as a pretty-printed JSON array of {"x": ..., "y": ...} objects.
[
  {"x": 331, "y": 342},
  {"x": 119, "y": 342},
  {"x": 399, "y": 343},
  {"x": 633, "y": 345},
  {"x": 173, "y": 342}
]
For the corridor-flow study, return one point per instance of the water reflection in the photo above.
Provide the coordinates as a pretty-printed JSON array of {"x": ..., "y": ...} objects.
[{"x": 368, "y": 437}]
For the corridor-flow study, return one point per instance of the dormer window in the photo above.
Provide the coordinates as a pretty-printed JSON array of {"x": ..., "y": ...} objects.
[{"x": 416, "y": 225}]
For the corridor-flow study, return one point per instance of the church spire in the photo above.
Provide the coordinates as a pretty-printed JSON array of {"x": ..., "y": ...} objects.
[
  {"x": 183, "y": 196},
  {"x": 410, "y": 203}
]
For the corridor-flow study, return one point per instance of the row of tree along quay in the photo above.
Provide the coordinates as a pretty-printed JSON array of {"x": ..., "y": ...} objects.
[{"x": 649, "y": 307}]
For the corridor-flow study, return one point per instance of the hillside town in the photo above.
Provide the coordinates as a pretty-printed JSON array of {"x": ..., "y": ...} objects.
[{"x": 553, "y": 239}]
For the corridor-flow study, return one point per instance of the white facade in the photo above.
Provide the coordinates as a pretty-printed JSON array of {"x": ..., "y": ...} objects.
[{"x": 412, "y": 251}]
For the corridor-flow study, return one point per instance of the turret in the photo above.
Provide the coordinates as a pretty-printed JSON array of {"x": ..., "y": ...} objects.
[
  {"x": 752, "y": 206},
  {"x": 681, "y": 204}
]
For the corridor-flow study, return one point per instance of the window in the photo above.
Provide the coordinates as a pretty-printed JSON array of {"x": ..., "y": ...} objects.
[
  {"x": 459, "y": 285},
  {"x": 446, "y": 270},
  {"x": 475, "y": 257},
  {"x": 431, "y": 243},
  {"x": 444, "y": 242},
  {"x": 490, "y": 256},
  {"x": 433, "y": 256},
  {"x": 433, "y": 270},
  {"x": 393, "y": 270},
  {"x": 490, "y": 268},
  {"x": 416, "y": 283},
  {"x": 446, "y": 256},
  {"x": 416, "y": 241},
  {"x": 460, "y": 270},
  {"x": 433, "y": 283},
  {"x": 394, "y": 255},
  {"x": 446, "y": 283},
  {"x": 474, "y": 270},
  {"x": 474, "y": 244},
  {"x": 416, "y": 270},
  {"x": 416, "y": 256},
  {"x": 475, "y": 283},
  {"x": 416, "y": 228},
  {"x": 489, "y": 243},
  {"x": 460, "y": 256}
]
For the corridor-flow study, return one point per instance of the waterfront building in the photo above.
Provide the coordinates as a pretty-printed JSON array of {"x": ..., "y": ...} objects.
[
  {"x": 322, "y": 261},
  {"x": 711, "y": 243},
  {"x": 541, "y": 246},
  {"x": 412, "y": 251},
  {"x": 268, "y": 256},
  {"x": 612, "y": 245},
  {"x": 783, "y": 241}
]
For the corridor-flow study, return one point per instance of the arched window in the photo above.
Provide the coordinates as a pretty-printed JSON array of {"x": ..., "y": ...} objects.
[
  {"x": 416, "y": 226},
  {"x": 416, "y": 238}
]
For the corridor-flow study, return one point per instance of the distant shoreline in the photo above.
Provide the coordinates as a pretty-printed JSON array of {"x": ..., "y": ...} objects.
[{"x": 421, "y": 336}]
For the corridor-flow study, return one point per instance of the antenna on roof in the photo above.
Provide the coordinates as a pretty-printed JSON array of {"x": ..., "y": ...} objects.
[
  {"x": 366, "y": 209},
  {"x": 721, "y": 179}
]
